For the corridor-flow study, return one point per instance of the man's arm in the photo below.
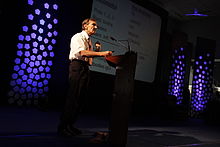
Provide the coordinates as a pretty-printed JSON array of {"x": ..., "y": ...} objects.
[{"x": 88, "y": 53}]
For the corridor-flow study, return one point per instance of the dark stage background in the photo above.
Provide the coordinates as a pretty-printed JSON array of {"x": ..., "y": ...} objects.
[{"x": 147, "y": 96}]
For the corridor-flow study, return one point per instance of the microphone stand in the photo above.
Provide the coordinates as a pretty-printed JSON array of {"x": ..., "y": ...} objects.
[
  {"x": 120, "y": 42},
  {"x": 128, "y": 47}
]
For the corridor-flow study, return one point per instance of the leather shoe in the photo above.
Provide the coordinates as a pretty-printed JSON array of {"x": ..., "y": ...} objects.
[
  {"x": 74, "y": 130},
  {"x": 65, "y": 133}
]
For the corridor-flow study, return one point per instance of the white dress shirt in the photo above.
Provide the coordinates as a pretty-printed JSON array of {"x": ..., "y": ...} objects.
[{"x": 79, "y": 42}]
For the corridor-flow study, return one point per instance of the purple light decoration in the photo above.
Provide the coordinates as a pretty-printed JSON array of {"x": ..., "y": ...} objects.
[
  {"x": 201, "y": 88},
  {"x": 34, "y": 51},
  {"x": 39, "y": 38},
  {"x": 46, "y": 5},
  {"x": 29, "y": 70},
  {"x": 35, "y": 71},
  {"x": 39, "y": 57},
  {"x": 49, "y": 34},
  {"x": 26, "y": 46},
  {"x": 21, "y": 72},
  {"x": 46, "y": 40},
  {"x": 50, "y": 63},
  {"x": 47, "y": 69},
  {"x": 19, "y": 53},
  {"x": 17, "y": 61},
  {"x": 25, "y": 28},
  {"x": 30, "y": 17},
  {"x": 176, "y": 81},
  {"x": 21, "y": 37},
  {"x": 53, "y": 41},
  {"x": 41, "y": 69},
  {"x": 23, "y": 66},
  {"x": 55, "y": 33},
  {"x": 37, "y": 11},
  {"x": 49, "y": 26},
  {"x": 42, "y": 22},
  {"x": 27, "y": 38},
  {"x": 33, "y": 35},
  {"x": 36, "y": 41},
  {"x": 42, "y": 75},
  {"x": 37, "y": 63},
  {"x": 20, "y": 46},
  {"x": 48, "y": 15},
  {"x": 42, "y": 47},
  {"x": 196, "y": 13},
  {"x": 43, "y": 62},
  {"x": 30, "y": 2},
  {"x": 27, "y": 54},
  {"x": 51, "y": 54},
  {"x": 45, "y": 54},
  {"x": 14, "y": 76},
  {"x": 41, "y": 30},
  {"x": 35, "y": 44},
  {"x": 33, "y": 57},
  {"x": 31, "y": 64},
  {"x": 26, "y": 60},
  {"x": 48, "y": 76},
  {"x": 34, "y": 27},
  {"x": 55, "y": 21},
  {"x": 55, "y": 6}
]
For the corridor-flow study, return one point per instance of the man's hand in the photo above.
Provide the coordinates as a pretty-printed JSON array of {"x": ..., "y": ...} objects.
[{"x": 107, "y": 53}]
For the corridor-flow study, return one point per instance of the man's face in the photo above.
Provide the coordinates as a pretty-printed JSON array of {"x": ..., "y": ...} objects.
[{"x": 91, "y": 27}]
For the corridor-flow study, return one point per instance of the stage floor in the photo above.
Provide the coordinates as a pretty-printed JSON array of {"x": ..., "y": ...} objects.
[{"x": 31, "y": 127}]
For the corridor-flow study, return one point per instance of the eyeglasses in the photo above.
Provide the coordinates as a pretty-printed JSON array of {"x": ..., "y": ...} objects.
[{"x": 94, "y": 24}]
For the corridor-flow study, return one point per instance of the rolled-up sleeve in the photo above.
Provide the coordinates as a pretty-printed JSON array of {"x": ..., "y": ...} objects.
[{"x": 76, "y": 45}]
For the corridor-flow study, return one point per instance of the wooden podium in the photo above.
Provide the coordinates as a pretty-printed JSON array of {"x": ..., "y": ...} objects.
[{"x": 122, "y": 96}]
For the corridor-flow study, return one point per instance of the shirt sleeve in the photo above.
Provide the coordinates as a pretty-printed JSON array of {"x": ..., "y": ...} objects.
[{"x": 76, "y": 45}]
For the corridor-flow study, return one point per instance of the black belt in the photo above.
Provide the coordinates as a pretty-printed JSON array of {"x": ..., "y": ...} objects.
[{"x": 80, "y": 61}]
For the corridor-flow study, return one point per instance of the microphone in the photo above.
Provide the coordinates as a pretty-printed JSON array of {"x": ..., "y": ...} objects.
[
  {"x": 112, "y": 38},
  {"x": 119, "y": 41}
]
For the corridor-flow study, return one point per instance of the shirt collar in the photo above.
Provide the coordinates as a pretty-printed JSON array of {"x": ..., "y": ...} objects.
[{"x": 85, "y": 35}]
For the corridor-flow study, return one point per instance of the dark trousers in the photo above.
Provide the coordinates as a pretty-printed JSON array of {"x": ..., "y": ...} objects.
[{"x": 77, "y": 90}]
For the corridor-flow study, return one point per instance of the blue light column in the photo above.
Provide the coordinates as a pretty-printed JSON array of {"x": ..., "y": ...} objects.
[
  {"x": 202, "y": 89},
  {"x": 36, "y": 41},
  {"x": 177, "y": 74}
]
